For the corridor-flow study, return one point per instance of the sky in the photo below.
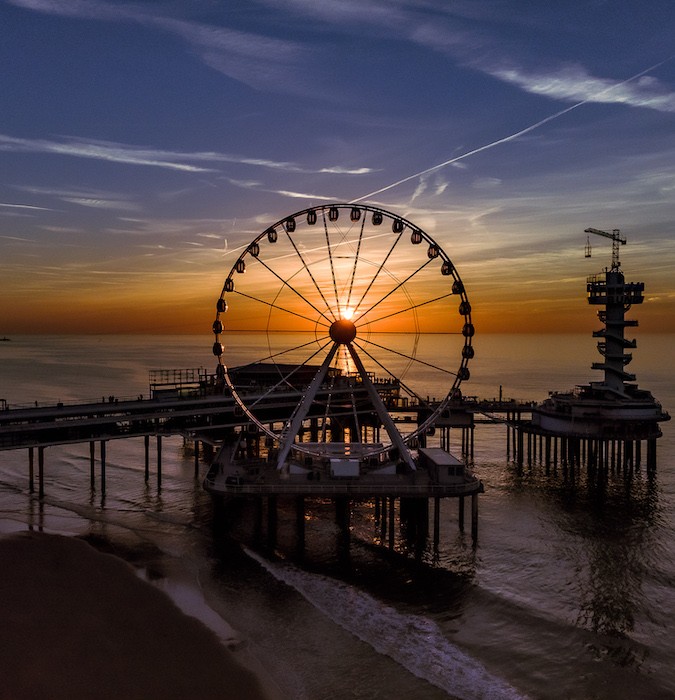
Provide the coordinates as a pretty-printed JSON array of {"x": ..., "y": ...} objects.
[{"x": 143, "y": 144}]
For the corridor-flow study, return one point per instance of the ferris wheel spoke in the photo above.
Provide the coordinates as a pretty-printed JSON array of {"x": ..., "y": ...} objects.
[
  {"x": 394, "y": 289},
  {"x": 355, "y": 416},
  {"x": 412, "y": 307},
  {"x": 411, "y": 358},
  {"x": 379, "y": 270},
  {"x": 357, "y": 255},
  {"x": 286, "y": 283},
  {"x": 286, "y": 377},
  {"x": 286, "y": 351},
  {"x": 311, "y": 276},
  {"x": 332, "y": 265},
  {"x": 381, "y": 410},
  {"x": 278, "y": 307},
  {"x": 293, "y": 425},
  {"x": 409, "y": 389}
]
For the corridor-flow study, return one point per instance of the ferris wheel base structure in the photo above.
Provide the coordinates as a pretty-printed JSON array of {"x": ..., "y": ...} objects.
[{"x": 438, "y": 476}]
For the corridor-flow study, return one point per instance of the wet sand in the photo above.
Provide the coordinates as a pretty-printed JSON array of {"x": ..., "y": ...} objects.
[{"x": 76, "y": 623}]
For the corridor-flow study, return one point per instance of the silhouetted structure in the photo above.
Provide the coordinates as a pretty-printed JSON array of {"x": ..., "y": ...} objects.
[{"x": 602, "y": 423}]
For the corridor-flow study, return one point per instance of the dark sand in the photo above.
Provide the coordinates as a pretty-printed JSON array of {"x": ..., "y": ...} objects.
[{"x": 75, "y": 623}]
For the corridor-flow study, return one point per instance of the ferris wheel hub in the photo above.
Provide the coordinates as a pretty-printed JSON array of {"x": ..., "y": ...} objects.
[{"x": 342, "y": 331}]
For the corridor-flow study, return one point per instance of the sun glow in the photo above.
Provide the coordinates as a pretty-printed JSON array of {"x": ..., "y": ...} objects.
[{"x": 347, "y": 313}]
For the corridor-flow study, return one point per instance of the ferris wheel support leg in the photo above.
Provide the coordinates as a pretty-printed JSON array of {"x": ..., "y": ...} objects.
[
  {"x": 383, "y": 414},
  {"x": 303, "y": 408}
]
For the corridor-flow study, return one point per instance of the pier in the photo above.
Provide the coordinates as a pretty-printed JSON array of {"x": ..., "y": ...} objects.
[{"x": 180, "y": 404}]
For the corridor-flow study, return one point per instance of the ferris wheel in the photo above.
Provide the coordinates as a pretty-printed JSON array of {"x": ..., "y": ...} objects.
[{"x": 361, "y": 314}]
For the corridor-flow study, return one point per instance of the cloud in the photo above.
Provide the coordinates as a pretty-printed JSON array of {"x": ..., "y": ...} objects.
[
  {"x": 420, "y": 189},
  {"x": 486, "y": 183},
  {"x": 97, "y": 199},
  {"x": 95, "y": 203},
  {"x": 173, "y": 160},
  {"x": 339, "y": 170},
  {"x": 301, "y": 195},
  {"x": 261, "y": 62},
  {"x": 85, "y": 9},
  {"x": 99, "y": 150},
  {"x": 23, "y": 206},
  {"x": 573, "y": 83}
]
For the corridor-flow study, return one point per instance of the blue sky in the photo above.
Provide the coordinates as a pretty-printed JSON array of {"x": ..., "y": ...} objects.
[{"x": 141, "y": 144}]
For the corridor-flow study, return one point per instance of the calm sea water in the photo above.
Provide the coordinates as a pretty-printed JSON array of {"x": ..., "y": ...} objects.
[{"x": 569, "y": 593}]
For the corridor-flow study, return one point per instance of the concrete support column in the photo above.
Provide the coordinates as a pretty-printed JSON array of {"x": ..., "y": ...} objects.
[
  {"x": 146, "y": 441},
  {"x": 460, "y": 516},
  {"x": 474, "y": 517},
  {"x": 437, "y": 520},
  {"x": 651, "y": 455},
  {"x": 196, "y": 459},
  {"x": 343, "y": 517},
  {"x": 392, "y": 521},
  {"x": 159, "y": 461},
  {"x": 41, "y": 472},
  {"x": 92, "y": 465},
  {"x": 103, "y": 457},
  {"x": 31, "y": 476},
  {"x": 383, "y": 521}
]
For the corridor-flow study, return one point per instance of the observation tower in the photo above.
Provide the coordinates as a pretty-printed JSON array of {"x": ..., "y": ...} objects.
[{"x": 605, "y": 422}]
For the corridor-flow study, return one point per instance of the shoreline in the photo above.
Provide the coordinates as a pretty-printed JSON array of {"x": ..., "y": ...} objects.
[{"x": 79, "y": 623}]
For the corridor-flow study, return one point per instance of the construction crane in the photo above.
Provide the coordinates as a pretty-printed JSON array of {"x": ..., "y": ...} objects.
[{"x": 616, "y": 238}]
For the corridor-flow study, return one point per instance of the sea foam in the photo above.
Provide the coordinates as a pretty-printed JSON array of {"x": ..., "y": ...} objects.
[{"x": 413, "y": 641}]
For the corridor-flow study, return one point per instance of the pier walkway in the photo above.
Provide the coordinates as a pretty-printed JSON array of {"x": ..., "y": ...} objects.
[{"x": 201, "y": 418}]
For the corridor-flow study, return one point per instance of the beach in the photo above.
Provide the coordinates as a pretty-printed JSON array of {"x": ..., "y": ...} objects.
[{"x": 78, "y": 623}]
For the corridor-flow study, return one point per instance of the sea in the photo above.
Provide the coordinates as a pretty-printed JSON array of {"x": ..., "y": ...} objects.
[{"x": 568, "y": 592}]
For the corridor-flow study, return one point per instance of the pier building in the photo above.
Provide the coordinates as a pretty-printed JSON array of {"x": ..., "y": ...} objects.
[{"x": 604, "y": 423}]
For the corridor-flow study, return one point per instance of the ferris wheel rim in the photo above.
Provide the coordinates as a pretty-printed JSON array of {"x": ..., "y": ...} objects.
[{"x": 326, "y": 317}]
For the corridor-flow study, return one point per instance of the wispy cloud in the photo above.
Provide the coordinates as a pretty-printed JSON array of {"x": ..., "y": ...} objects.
[
  {"x": 95, "y": 203},
  {"x": 95, "y": 199},
  {"x": 173, "y": 160},
  {"x": 5, "y": 205},
  {"x": 86, "y": 9},
  {"x": 261, "y": 62},
  {"x": 573, "y": 83},
  {"x": 302, "y": 195},
  {"x": 275, "y": 64},
  {"x": 100, "y": 150},
  {"x": 258, "y": 186}
]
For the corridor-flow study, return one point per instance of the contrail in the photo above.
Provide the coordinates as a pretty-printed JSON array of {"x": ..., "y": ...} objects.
[{"x": 506, "y": 139}]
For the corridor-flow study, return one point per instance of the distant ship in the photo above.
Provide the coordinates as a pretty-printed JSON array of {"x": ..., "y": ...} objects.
[{"x": 5, "y": 339}]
